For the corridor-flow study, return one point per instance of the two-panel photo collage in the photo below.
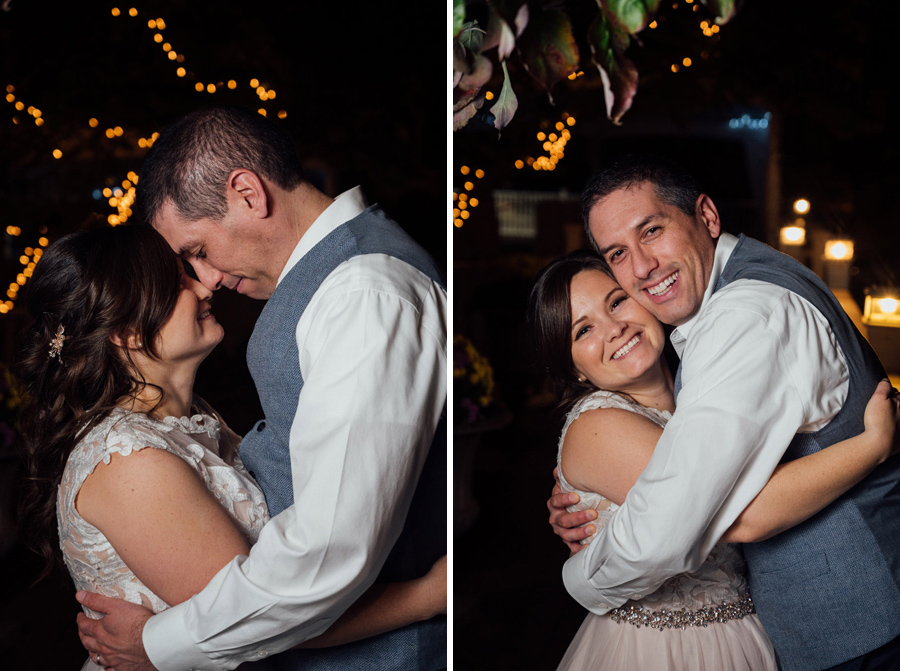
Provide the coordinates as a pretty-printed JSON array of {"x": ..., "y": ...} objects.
[{"x": 569, "y": 340}]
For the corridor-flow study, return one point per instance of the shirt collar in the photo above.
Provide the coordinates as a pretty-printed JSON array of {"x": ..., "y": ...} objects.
[
  {"x": 345, "y": 207},
  {"x": 724, "y": 248}
]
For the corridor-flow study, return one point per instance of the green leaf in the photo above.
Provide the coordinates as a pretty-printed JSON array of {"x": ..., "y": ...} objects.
[
  {"x": 459, "y": 15},
  {"x": 548, "y": 47},
  {"x": 608, "y": 43},
  {"x": 513, "y": 12},
  {"x": 507, "y": 103},
  {"x": 723, "y": 9},
  {"x": 471, "y": 36},
  {"x": 631, "y": 15}
]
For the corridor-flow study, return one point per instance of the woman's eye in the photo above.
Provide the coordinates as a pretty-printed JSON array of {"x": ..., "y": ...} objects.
[
  {"x": 581, "y": 332},
  {"x": 617, "y": 302}
]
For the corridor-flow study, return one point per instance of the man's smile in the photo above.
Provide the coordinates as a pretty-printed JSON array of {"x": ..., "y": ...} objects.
[{"x": 662, "y": 287}]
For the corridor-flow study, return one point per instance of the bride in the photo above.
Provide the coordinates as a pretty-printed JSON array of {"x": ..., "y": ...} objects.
[
  {"x": 143, "y": 479},
  {"x": 604, "y": 353}
]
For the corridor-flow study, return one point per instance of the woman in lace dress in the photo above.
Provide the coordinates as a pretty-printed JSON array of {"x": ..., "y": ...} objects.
[
  {"x": 142, "y": 478},
  {"x": 604, "y": 352}
]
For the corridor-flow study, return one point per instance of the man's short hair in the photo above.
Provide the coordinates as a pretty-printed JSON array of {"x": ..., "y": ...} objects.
[
  {"x": 673, "y": 184},
  {"x": 191, "y": 160}
]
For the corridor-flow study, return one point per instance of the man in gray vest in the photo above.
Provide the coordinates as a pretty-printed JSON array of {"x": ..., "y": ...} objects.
[
  {"x": 769, "y": 360},
  {"x": 349, "y": 360}
]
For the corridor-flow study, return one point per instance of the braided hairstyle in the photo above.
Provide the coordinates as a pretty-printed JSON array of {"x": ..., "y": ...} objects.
[{"x": 100, "y": 285}]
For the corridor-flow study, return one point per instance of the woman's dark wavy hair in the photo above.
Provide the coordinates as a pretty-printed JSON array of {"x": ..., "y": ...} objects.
[
  {"x": 98, "y": 285},
  {"x": 550, "y": 321}
]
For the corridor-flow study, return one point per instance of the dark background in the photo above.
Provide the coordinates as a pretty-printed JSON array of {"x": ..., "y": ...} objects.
[
  {"x": 363, "y": 88},
  {"x": 824, "y": 73}
]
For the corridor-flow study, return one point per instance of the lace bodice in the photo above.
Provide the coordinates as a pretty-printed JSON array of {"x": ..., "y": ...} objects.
[
  {"x": 92, "y": 561},
  {"x": 722, "y": 577}
]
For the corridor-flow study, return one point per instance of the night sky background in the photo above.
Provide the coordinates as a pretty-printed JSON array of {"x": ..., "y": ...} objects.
[
  {"x": 363, "y": 86},
  {"x": 826, "y": 75}
]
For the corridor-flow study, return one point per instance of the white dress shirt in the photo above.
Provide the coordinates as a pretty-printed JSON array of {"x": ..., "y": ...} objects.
[
  {"x": 372, "y": 345},
  {"x": 759, "y": 364}
]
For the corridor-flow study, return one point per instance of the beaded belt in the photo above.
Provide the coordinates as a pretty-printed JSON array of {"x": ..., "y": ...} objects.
[{"x": 669, "y": 619}]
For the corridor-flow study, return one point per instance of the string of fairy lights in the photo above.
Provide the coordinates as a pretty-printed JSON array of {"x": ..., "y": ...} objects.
[
  {"x": 553, "y": 142},
  {"x": 121, "y": 197}
]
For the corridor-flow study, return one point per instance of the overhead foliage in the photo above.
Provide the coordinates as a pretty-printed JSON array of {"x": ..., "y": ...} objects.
[{"x": 543, "y": 37}]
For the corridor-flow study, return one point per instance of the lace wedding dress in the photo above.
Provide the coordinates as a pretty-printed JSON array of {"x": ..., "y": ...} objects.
[
  {"x": 699, "y": 621},
  {"x": 92, "y": 561}
]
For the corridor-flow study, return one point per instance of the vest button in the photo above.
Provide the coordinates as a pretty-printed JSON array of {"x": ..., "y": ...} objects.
[{"x": 261, "y": 426}]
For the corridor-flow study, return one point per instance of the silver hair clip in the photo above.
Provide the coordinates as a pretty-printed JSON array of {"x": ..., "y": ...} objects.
[{"x": 56, "y": 344}]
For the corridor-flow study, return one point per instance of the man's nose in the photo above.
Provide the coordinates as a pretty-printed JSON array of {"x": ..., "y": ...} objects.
[
  {"x": 209, "y": 277},
  {"x": 643, "y": 263}
]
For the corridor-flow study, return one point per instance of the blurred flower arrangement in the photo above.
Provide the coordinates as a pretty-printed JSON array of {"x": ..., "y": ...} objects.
[{"x": 473, "y": 383}]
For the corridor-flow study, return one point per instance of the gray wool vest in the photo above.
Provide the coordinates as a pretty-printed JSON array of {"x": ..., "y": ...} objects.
[
  {"x": 273, "y": 359},
  {"x": 827, "y": 590}
]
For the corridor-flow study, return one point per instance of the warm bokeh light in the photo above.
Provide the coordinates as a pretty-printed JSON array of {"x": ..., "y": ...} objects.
[
  {"x": 181, "y": 72},
  {"x": 262, "y": 111},
  {"x": 881, "y": 308},
  {"x": 93, "y": 123},
  {"x": 793, "y": 235},
  {"x": 211, "y": 88},
  {"x": 115, "y": 11},
  {"x": 132, "y": 12},
  {"x": 254, "y": 83},
  {"x": 158, "y": 38},
  {"x": 57, "y": 153},
  {"x": 801, "y": 206},
  {"x": 839, "y": 250},
  {"x": 198, "y": 86},
  {"x": 469, "y": 186},
  {"x": 231, "y": 83}
]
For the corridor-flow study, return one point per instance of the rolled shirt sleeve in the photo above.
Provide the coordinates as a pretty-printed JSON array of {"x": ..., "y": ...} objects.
[
  {"x": 760, "y": 364},
  {"x": 372, "y": 346}
]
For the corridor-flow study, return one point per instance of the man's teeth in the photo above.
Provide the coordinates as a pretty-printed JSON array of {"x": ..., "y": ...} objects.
[
  {"x": 204, "y": 315},
  {"x": 662, "y": 286},
  {"x": 626, "y": 348}
]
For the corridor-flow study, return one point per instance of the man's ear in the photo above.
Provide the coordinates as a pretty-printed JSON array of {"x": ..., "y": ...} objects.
[
  {"x": 708, "y": 215},
  {"x": 246, "y": 191}
]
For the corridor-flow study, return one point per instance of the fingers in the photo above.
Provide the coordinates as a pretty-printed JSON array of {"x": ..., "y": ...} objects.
[
  {"x": 577, "y": 534},
  {"x": 87, "y": 629},
  {"x": 96, "y": 602},
  {"x": 568, "y": 521},
  {"x": 560, "y": 500}
]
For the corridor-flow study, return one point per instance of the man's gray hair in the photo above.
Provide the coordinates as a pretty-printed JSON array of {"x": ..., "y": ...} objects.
[{"x": 191, "y": 160}]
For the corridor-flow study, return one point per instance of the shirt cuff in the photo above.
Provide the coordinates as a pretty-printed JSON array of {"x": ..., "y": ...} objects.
[
  {"x": 579, "y": 587},
  {"x": 168, "y": 645}
]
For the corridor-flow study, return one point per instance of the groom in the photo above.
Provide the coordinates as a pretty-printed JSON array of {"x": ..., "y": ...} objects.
[
  {"x": 349, "y": 360},
  {"x": 768, "y": 359}
]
